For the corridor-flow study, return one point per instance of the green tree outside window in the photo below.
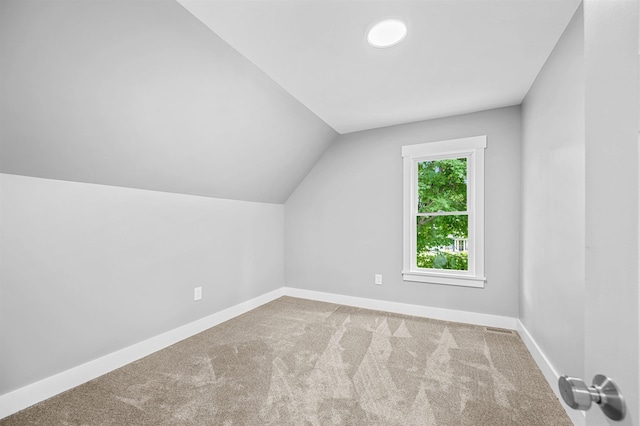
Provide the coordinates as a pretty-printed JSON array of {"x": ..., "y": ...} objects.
[{"x": 442, "y": 217}]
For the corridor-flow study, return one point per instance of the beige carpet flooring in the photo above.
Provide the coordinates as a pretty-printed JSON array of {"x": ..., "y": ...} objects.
[{"x": 299, "y": 362}]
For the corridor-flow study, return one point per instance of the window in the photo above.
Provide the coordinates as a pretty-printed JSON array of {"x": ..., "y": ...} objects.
[
  {"x": 461, "y": 244},
  {"x": 444, "y": 212}
]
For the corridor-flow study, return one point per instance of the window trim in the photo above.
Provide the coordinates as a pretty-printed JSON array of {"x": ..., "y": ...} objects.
[{"x": 472, "y": 148}]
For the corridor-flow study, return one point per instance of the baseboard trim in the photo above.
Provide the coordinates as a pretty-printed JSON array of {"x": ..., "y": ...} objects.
[
  {"x": 407, "y": 309},
  {"x": 26, "y": 396},
  {"x": 577, "y": 417}
]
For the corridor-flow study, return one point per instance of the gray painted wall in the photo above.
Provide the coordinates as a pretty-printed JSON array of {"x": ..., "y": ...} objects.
[
  {"x": 141, "y": 94},
  {"x": 553, "y": 204},
  {"x": 344, "y": 222},
  {"x": 90, "y": 269}
]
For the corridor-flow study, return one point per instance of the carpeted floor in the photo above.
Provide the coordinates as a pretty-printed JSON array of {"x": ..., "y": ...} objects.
[{"x": 299, "y": 362}]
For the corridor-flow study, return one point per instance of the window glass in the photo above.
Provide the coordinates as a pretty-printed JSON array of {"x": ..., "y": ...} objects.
[
  {"x": 442, "y": 185},
  {"x": 438, "y": 242}
]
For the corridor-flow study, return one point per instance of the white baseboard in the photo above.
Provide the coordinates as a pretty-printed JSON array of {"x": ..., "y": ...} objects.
[
  {"x": 577, "y": 417},
  {"x": 407, "y": 309},
  {"x": 26, "y": 396}
]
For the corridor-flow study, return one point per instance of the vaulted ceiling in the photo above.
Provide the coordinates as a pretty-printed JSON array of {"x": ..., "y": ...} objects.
[
  {"x": 459, "y": 56},
  {"x": 140, "y": 94},
  {"x": 238, "y": 99}
]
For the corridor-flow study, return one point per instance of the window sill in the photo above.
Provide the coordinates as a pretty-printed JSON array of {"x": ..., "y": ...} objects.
[{"x": 446, "y": 279}]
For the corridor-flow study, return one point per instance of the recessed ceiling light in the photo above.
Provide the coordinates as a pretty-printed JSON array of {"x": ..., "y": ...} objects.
[{"x": 387, "y": 33}]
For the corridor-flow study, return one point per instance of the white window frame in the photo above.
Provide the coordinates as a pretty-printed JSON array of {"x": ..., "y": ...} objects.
[{"x": 473, "y": 149}]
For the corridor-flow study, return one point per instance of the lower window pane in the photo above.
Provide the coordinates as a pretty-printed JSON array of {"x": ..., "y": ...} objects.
[{"x": 442, "y": 242}]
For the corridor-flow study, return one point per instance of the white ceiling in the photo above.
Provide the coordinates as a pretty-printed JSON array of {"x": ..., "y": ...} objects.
[
  {"x": 141, "y": 94},
  {"x": 459, "y": 55}
]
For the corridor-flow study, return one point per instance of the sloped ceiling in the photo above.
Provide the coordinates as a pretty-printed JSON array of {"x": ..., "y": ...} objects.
[
  {"x": 459, "y": 56},
  {"x": 141, "y": 94},
  {"x": 231, "y": 99}
]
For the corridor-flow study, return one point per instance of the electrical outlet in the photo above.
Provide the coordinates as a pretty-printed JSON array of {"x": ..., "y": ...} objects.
[
  {"x": 378, "y": 279},
  {"x": 197, "y": 293}
]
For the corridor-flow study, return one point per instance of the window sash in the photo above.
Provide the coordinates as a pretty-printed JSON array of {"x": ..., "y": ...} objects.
[{"x": 442, "y": 213}]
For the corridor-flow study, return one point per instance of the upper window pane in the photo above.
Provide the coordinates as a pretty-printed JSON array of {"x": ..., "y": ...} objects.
[{"x": 442, "y": 185}]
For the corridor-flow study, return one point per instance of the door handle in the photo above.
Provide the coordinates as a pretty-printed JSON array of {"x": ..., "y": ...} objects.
[{"x": 604, "y": 392}]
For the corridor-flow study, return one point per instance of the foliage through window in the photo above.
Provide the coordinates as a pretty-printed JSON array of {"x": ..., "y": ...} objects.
[
  {"x": 442, "y": 219},
  {"x": 444, "y": 203}
]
